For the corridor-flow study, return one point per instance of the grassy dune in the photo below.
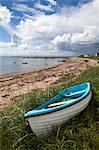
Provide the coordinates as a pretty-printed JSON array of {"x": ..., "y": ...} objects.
[{"x": 80, "y": 133}]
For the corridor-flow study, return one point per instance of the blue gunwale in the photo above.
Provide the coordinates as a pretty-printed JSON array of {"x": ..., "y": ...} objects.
[{"x": 42, "y": 110}]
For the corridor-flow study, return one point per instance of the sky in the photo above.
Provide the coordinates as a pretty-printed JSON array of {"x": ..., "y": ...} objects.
[{"x": 49, "y": 27}]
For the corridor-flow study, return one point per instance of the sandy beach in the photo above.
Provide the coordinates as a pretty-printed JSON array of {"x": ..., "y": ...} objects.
[{"x": 17, "y": 84}]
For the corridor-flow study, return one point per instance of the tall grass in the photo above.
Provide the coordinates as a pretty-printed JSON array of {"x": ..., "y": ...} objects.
[{"x": 80, "y": 133}]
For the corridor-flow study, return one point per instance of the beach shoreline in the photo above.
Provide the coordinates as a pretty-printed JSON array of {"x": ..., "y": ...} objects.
[
  {"x": 13, "y": 85},
  {"x": 11, "y": 65},
  {"x": 2, "y": 75}
]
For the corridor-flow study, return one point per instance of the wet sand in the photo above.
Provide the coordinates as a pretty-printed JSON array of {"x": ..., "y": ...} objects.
[{"x": 16, "y": 84}]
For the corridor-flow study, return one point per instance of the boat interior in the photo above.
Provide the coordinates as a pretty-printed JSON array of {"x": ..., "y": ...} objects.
[{"x": 64, "y": 99}]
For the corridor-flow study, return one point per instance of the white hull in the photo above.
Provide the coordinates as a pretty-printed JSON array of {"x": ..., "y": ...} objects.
[{"x": 42, "y": 124}]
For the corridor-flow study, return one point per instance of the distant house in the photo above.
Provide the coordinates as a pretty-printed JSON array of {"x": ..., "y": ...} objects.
[
  {"x": 85, "y": 55},
  {"x": 97, "y": 54}
]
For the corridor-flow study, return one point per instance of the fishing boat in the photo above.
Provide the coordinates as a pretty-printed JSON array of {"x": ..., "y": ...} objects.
[{"x": 56, "y": 111}]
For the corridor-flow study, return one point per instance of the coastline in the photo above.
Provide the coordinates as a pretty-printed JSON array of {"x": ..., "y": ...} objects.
[
  {"x": 13, "y": 85},
  {"x": 27, "y": 72},
  {"x": 19, "y": 64}
]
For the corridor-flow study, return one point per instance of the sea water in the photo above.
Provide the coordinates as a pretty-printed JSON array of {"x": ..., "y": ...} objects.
[{"x": 9, "y": 64}]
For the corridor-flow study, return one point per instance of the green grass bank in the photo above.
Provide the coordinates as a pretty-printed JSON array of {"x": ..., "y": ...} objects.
[{"x": 80, "y": 133}]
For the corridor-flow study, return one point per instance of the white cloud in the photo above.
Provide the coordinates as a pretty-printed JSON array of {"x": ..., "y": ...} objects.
[
  {"x": 34, "y": 30},
  {"x": 5, "y": 19},
  {"x": 77, "y": 24},
  {"x": 25, "y": 8},
  {"x": 42, "y": 7},
  {"x": 5, "y": 16},
  {"x": 60, "y": 39},
  {"x": 90, "y": 34},
  {"x": 25, "y": 48}
]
